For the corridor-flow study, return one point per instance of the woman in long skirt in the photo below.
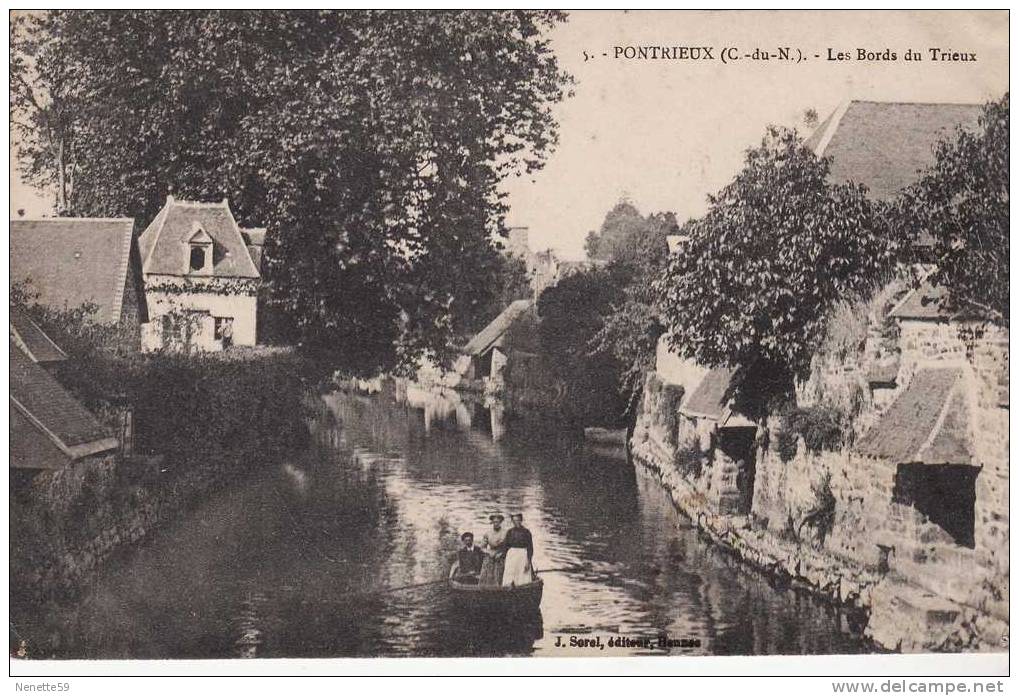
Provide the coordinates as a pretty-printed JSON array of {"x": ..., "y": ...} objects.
[
  {"x": 519, "y": 554},
  {"x": 494, "y": 546}
]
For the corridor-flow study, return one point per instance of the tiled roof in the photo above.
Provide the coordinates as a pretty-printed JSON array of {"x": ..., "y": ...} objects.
[
  {"x": 710, "y": 398},
  {"x": 164, "y": 243},
  {"x": 498, "y": 326},
  {"x": 927, "y": 423},
  {"x": 53, "y": 411},
  {"x": 27, "y": 335},
  {"x": 71, "y": 261},
  {"x": 883, "y": 145}
]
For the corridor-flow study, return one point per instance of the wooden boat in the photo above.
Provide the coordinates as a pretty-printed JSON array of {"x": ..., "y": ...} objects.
[{"x": 518, "y": 600}]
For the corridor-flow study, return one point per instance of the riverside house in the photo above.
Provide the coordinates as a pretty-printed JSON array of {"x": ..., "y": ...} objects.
[
  {"x": 915, "y": 499},
  {"x": 201, "y": 275},
  {"x": 487, "y": 354}
]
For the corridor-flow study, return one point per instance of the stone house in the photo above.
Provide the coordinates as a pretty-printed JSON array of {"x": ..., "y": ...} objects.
[
  {"x": 488, "y": 352},
  {"x": 69, "y": 262},
  {"x": 201, "y": 276},
  {"x": 916, "y": 497}
]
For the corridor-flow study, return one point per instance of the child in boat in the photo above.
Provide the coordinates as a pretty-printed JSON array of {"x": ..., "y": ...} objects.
[
  {"x": 518, "y": 569},
  {"x": 469, "y": 559}
]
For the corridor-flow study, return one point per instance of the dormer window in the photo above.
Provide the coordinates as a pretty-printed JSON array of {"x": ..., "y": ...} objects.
[
  {"x": 199, "y": 252},
  {"x": 197, "y": 257}
]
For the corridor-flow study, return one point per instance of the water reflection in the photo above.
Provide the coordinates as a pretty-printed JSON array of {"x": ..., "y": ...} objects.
[{"x": 294, "y": 561}]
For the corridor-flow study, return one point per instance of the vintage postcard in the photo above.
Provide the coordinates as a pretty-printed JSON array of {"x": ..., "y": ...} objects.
[{"x": 661, "y": 335}]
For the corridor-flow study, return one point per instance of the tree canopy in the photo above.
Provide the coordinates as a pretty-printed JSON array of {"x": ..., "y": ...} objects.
[
  {"x": 962, "y": 202},
  {"x": 371, "y": 144},
  {"x": 571, "y": 313},
  {"x": 777, "y": 249},
  {"x": 598, "y": 326},
  {"x": 631, "y": 326}
]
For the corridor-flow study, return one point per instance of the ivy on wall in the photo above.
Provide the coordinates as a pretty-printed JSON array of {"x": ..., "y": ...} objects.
[{"x": 209, "y": 286}]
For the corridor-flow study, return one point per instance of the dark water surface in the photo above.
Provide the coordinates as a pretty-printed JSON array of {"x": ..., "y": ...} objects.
[{"x": 283, "y": 564}]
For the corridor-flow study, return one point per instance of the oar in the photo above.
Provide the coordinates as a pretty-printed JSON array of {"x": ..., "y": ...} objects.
[
  {"x": 565, "y": 569},
  {"x": 412, "y": 586},
  {"x": 398, "y": 588}
]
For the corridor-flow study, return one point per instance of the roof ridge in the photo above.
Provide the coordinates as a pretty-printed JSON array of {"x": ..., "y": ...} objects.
[
  {"x": 915, "y": 103},
  {"x": 121, "y": 280},
  {"x": 939, "y": 422},
  {"x": 20, "y": 339},
  {"x": 200, "y": 204},
  {"x": 73, "y": 219},
  {"x": 833, "y": 125},
  {"x": 244, "y": 245},
  {"x": 161, "y": 218}
]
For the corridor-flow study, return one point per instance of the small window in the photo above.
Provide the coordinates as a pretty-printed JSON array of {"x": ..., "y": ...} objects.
[
  {"x": 197, "y": 258},
  {"x": 224, "y": 327}
]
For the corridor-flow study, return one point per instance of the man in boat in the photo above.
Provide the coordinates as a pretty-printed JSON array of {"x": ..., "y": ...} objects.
[
  {"x": 518, "y": 569},
  {"x": 469, "y": 558}
]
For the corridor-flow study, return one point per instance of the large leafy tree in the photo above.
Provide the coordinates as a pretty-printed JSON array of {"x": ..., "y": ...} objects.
[
  {"x": 622, "y": 224},
  {"x": 632, "y": 325},
  {"x": 962, "y": 201},
  {"x": 571, "y": 313},
  {"x": 779, "y": 247},
  {"x": 371, "y": 144},
  {"x": 510, "y": 281},
  {"x": 599, "y": 327}
]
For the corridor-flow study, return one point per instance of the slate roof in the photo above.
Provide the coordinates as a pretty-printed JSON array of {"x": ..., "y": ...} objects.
[
  {"x": 931, "y": 302},
  {"x": 254, "y": 238},
  {"x": 710, "y": 399},
  {"x": 71, "y": 261},
  {"x": 164, "y": 243},
  {"x": 53, "y": 411},
  {"x": 885, "y": 372},
  {"x": 253, "y": 235},
  {"x": 928, "y": 423},
  {"x": 883, "y": 145},
  {"x": 27, "y": 336},
  {"x": 498, "y": 326},
  {"x": 925, "y": 302}
]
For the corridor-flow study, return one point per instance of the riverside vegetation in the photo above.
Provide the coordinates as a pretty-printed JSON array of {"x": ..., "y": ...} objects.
[{"x": 200, "y": 421}]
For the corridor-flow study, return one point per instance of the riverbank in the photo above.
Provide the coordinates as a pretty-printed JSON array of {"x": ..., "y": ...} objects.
[
  {"x": 200, "y": 423},
  {"x": 895, "y": 613}
]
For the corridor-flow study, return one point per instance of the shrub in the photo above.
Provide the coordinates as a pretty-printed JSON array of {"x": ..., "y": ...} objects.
[
  {"x": 822, "y": 427},
  {"x": 689, "y": 460},
  {"x": 822, "y": 515},
  {"x": 194, "y": 407}
]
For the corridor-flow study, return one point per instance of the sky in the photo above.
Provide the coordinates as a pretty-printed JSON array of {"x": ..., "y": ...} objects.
[{"x": 666, "y": 133}]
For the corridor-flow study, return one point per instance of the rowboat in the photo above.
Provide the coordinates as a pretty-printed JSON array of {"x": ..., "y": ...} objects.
[{"x": 515, "y": 600}]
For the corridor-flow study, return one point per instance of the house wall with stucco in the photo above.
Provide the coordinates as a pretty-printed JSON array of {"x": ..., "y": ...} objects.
[{"x": 239, "y": 306}]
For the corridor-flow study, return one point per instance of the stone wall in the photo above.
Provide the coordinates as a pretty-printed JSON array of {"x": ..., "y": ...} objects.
[
  {"x": 68, "y": 522},
  {"x": 921, "y": 589}
]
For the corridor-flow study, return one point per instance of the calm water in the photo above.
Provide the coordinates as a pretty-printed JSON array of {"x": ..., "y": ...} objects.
[{"x": 288, "y": 562}]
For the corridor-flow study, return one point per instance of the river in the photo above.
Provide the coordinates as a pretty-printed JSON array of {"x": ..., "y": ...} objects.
[{"x": 294, "y": 560}]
